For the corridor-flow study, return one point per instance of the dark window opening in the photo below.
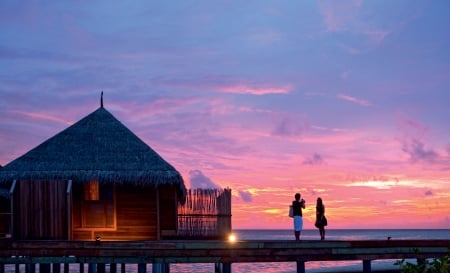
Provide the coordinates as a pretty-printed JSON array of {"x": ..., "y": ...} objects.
[{"x": 94, "y": 206}]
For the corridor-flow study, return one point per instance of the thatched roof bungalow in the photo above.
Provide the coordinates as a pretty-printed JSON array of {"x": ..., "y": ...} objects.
[{"x": 95, "y": 178}]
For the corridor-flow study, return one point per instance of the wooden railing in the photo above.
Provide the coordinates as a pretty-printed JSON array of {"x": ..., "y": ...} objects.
[{"x": 222, "y": 253}]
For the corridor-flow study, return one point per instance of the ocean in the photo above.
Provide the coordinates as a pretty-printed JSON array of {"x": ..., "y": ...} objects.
[{"x": 311, "y": 267}]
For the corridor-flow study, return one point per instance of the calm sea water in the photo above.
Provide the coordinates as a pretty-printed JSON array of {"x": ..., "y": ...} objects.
[{"x": 311, "y": 267}]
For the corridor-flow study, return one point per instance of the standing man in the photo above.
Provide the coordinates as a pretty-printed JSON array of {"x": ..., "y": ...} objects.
[{"x": 297, "y": 205}]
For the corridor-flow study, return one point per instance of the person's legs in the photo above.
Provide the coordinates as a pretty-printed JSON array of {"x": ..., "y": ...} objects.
[
  {"x": 322, "y": 233},
  {"x": 298, "y": 225}
]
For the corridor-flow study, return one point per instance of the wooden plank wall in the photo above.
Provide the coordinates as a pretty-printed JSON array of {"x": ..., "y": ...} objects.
[
  {"x": 135, "y": 216},
  {"x": 40, "y": 210}
]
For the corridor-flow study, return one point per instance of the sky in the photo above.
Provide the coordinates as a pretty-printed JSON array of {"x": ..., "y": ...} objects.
[{"x": 343, "y": 100}]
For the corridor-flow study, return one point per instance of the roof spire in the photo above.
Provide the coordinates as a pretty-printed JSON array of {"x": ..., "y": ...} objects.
[{"x": 101, "y": 100}]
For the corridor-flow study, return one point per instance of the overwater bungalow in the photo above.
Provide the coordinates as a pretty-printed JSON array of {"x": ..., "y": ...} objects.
[{"x": 95, "y": 179}]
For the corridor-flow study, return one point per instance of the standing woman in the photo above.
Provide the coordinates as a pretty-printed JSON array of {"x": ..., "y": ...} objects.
[
  {"x": 321, "y": 220},
  {"x": 297, "y": 206}
]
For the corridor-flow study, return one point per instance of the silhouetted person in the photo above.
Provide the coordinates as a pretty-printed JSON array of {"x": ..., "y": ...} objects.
[
  {"x": 321, "y": 220},
  {"x": 297, "y": 205}
]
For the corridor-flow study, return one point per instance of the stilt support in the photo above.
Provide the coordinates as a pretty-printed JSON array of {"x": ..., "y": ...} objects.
[
  {"x": 113, "y": 268},
  {"x": 300, "y": 267},
  {"x": 367, "y": 267},
  {"x": 161, "y": 268},
  {"x": 142, "y": 268},
  {"x": 56, "y": 268},
  {"x": 92, "y": 268},
  {"x": 44, "y": 268},
  {"x": 222, "y": 268}
]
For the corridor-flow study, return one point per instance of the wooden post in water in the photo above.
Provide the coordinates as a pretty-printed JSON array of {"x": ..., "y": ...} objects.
[
  {"x": 30, "y": 268},
  {"x": 367, "y": 267},
  {"x": 81, "y": 268},
  {"x": 56, "y": 268},
  {"x": 2, "y": 268},
  {"x": 44, "y": 268},
  {"x": 122, "y": 268},
  {"x": 222, "y": 268},
  {"x": 142, "y": 268},
  {"x": 101, "y": 268},
  {"x": 160, "y": 268},
  {"x": 113, "y": 268},
  {"x": 300, "y": 267},
  {"x": 92, "y": 268},
  {"x": 226, "y": 267}
]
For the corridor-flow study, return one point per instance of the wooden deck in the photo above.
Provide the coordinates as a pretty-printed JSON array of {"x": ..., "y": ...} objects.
[{"x": 221, "y": 253}]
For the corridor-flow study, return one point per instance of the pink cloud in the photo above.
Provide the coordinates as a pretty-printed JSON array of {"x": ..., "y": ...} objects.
[
  {"x": 258, "y": 91},
  {"x": 377, "y": 36},
  {"x": 337, "y": 14},
  {"x": 40, "y": 116},
  {"x": 353, "y": 100},
  {"x": 266, "y": 38}
]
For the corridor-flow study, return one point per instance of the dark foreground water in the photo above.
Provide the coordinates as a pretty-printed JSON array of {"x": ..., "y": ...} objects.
[{"x": 311, "y": 267}]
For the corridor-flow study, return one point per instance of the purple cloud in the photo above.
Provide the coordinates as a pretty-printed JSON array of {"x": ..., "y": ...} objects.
[
  {"x": 246, "y": 196},
  {"x": 315, "y": 159},
  {"x": 417, "y": 151},
  {"x": 198, "y": 180}
]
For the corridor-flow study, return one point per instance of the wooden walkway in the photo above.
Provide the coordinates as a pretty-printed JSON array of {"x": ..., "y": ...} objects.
[{"x": 222, "y": 253}]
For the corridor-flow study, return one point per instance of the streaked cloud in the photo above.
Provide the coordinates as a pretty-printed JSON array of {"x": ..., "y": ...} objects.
[
  {"x": 353, "y": 99},
  {"x": 251, "y": 90}
]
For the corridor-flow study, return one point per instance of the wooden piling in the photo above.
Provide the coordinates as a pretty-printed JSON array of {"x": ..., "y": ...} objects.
[
  {"x": 367, "y": 266},
  {"x": 300, "y": 267}
]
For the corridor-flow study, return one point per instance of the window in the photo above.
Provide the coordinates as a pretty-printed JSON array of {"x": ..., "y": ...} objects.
[
  {"x": 91, "y": 191},
  {"x": 95, "y": 207}
]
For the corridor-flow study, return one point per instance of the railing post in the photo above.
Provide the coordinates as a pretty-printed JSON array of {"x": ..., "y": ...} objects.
[
  {"x": 2, "y": 268},
  {"x": 81, "y": 268},
  {"x": 300, "y": 267},
  {"x": 367, "y": 267}
]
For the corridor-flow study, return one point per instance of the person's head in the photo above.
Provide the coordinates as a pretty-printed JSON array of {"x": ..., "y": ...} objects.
[
  {"x": 319, "y": 201},
  {"x": 297, "y": 196}
]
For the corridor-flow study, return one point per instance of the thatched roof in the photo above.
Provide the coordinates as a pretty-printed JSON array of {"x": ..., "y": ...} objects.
[{"x": 97, "y": 147}]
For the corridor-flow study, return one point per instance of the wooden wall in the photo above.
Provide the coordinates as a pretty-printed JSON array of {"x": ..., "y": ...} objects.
[
  {"x": 135, "y": 214},
  {"x": 40, "y": 210}
]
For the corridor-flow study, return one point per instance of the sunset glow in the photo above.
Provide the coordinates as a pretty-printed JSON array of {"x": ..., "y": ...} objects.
[{"x": 345, "y": 102}]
